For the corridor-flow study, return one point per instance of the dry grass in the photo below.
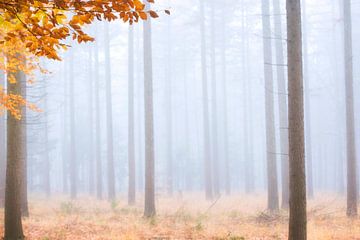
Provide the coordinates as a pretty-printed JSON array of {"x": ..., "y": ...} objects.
[{"x": 233, "y": 218}]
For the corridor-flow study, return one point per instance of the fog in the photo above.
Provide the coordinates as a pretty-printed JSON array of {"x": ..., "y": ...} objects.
[{"x": 218, "y": 106}]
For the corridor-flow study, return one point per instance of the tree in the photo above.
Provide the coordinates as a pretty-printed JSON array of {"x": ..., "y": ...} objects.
[
  {"x": 273, "y": 198},
  {"x": 297, "y": 179},
  {"x": 149, "y": 123},
  {"x": 350, "y": 125},
  {"x": 205, "y": 96},
  {"x": 131, "y": 132},
  {"x": 283, "y": 113},
  {"x": 91, "y": 124},
  {"x": 16, "y": 154},
  {"x": 109, "y": 120}
]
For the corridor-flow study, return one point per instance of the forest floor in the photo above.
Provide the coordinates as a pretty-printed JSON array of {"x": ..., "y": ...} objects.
[{"x": 233, "y": 218}]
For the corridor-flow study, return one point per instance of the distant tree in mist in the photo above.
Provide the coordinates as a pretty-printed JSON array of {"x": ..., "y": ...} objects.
[
  {"x": 273, "y": 196},
  {"x": 149, "y": 123},
  {"x": 2, "y": 148},
  {"x": 131, "y": 120},
  {"x": 283, "y": 113},
  {"x": 352, "y": 195},
  {"x": 205, "y": 95}
]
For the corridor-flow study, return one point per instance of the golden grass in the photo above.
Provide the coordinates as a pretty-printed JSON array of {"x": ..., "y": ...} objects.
[{"x": 188, "y": 217}]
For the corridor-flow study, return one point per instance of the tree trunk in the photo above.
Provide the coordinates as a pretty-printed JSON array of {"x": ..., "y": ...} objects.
[
  {"x": 131, "y": 140},
  {"x": 2, "y": 147},
  {"x": 149, "y": 122},
  {"x": 297, "y": 179},
  {"x": 214, "y": 111},
  {"x": 273, "y": 196},
  {"x": 205, "y": 100},
  {"x": 308, "y": 148},
  {"x": 109, "y": 123},
  {"x": 46, "y": 139},
  {"x": 91, "y": 124},
  {"x": 168, "y": 94},
  {"x": 16, "y": 154},
  {"x": 72, "y": 143},
  {"x": 97, "y": 124},
  {"x": 283, "y": 114},
  {"x": 350, "y": 125}
]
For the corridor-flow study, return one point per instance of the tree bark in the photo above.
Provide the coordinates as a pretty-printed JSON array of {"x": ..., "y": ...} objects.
[
  {"x": 283, "y": 114},
  {"x": 297, "y": 180},
  {"x": 149, "y": 122},
  {"x": 273, "y": 196},
  {"x": 350, "y": 125},
  {"x": 16, "y": 154},
  {"x": 131, "y": 140}
]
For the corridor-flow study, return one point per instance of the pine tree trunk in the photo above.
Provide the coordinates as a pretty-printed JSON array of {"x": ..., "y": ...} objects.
[
  {"x": 131, "y": 140},
  {"x": 16, "y": 153},
  {"x": 283, "y": 114},
  {"x": 273, "y": 196},
  {"x": 109, "y": 123},
  {"x": 297, "y": 179},
  {"x": 72, "y": 144},
  {"x": 149, "y": 122},
  {"x": 97, "y": 124},
  {"x": 91, "y": 155},
  {"x": 350, "y": 125},
  {"x": 214, "y": 108},
  {"x": 205, "y": 100}
]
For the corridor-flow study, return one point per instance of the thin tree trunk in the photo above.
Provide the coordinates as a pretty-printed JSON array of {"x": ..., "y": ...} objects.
[
  {"x": 214, "y": 111},
  {"x": 297, "y": 180},
  {"x": 350, "y": 125},
  {"x": 149, "y": 122},
  {"x": 283, "y": 114},
  {"x": 273, "y": 196},
  {"x": 24, "y": 194},
  {"x": 65, "y": 145},
  {"x": 72, "y": 144},
  {"x": 46, "y": 147},
  {"x": 205, "y": 99},
  {"x": 16, "y": 154},
  {"x": 97, "y": 124},
  {"x": 308, "y": 148},
  {"x": 131, "y": 140},
  {"x": 91, "y": 124},
  {"x": 169, "y": 170},
  {"x": 109, "y": 123}
]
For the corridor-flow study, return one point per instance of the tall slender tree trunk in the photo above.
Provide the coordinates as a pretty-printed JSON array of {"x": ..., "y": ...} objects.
[
  {"x": 308, "y": 148},
  {"x": 283, "y": 114},
  {"x": 91, "y": 155},
  {"x": 2, "y": 147},
  {"x": 109, "y": 123},
  {"x": 273, "y": 196},
  {"x": 72, "y": 144},
  {"x": 16, "y": 154},
  {"x": 214, "y": 110},
  {"x": 149, "y": 122},
  {"x": 65, "y": 155},
  {"x": 297, "y": 180},
  {"x": 24, "y": 194},
  {"x": 131, "y": 134},
  {"x": 98, "y": 160},
  {"x": 46, "y": 139},
  {"x": 205, "y": 99},
  {"x": 350, "y": 125},
  {"x": 224, "y": 86},
  {"x": 169, "y": 125}
]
